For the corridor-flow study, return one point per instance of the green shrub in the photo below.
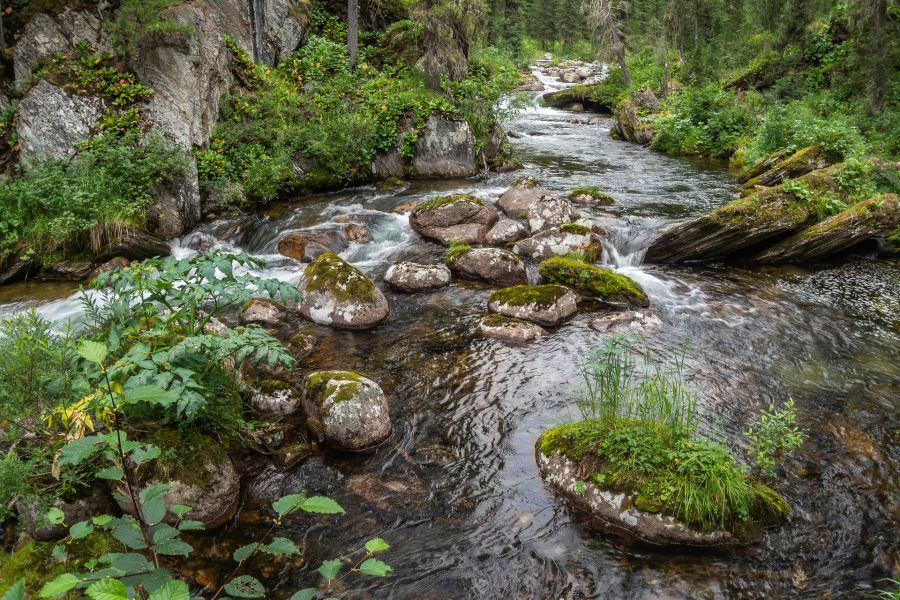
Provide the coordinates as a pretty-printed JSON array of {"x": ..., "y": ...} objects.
[
  {"x": 774, "y": 433},
  {"x": 796, "y": 126}
]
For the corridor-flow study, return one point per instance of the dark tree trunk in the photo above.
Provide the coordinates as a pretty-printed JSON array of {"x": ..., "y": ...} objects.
[{"x": 352, "y": 30}]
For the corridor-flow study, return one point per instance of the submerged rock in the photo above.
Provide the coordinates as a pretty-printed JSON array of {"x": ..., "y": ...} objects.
[
  {"x": 547, "y": 305},
  {"x": 415, "y": 277},
  {"x": 346, "y": 410},
  {"x": 591, "y": 196},
  {"x": 493, "y": 265},
  {"x": 591, "y": 281},
  {"x": 506, "y": 231},
  {"x": 509, "y": 330},
  {"x": 338, "y": 294},
  {"x": 307, "y": 245},
  {"x": 516, "y": 201},
  {"x": 458, "y": 218},
  {"x": 548, "y": 212},
  {"x": 560, "y": 241},
  {"x": 632, "y": 320}
]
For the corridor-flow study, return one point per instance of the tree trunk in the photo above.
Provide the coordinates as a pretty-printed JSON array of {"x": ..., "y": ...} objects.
[
  {"x": 620, "y": 57},
  {"x": 352, "y": 30}
]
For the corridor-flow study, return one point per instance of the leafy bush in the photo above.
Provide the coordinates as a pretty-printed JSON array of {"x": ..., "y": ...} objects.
[
  {"x": 796, "y": 126},
  {"x": 774, "y": 433},
  {"x": 139, "y": 22}
]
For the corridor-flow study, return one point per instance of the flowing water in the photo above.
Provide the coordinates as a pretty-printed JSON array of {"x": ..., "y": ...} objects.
[{"x": 455, "y": 490}]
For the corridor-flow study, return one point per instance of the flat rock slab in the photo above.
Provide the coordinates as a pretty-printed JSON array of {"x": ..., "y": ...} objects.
[{"x": 509, "y": 330}]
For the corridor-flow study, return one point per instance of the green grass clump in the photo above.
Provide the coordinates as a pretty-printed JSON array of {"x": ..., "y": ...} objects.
[
  {"x": 589, "y": 280},
  {"x": 439, "y": 201},
  {"x": 575, "y": 229},
  {"x": 456, "y": 251},
  {"x": 182, "y": 454},
  {"x": 520, "y": 295}
]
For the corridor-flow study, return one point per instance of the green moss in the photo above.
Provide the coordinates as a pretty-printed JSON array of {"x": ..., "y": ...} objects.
[
  {"x": 526, "y": 182},
  {"x": 576, "y": 229},
  {"x": 181, "y": 454},
  {"x": 439, "y": 201},
  {"x": 589, "y": 280},
  {"x": 495, "y": 320},
  {"x": 270, "y": 386},
  {"x": 332, "y": 386},
  {"x": 456, "y": 251},
  {"x": 594, "y": 192},
  {"x": 33, "y": 563},
  {"x": 520, "y": 295},
  {"x": 332, "y": 274}
]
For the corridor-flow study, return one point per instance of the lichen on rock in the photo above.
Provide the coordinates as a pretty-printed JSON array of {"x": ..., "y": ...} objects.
[
  {"x": 346, "y": 409},
  {"x": 546, "y": 305},
  {"x": 336, "y": 293}
]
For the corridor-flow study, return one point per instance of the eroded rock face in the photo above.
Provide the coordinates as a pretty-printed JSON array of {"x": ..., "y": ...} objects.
[
  {"x": 415, "y": 277},
  {"x": 134, "y": 244},
  {"x": 307, "y": 245},
  {"x": 550, "y": 212},
  {"x": 280, "y": 28},
  {"x": 506, "y": 231},
  {"x": 346, "y": 410},
  {"x": 508, "y": 330},
  {"x": 493, "y": 265},
  {"x": 800, "y": 163},
  {"x": 446, "y": 148},
  {"x": 46, "y": 35},
  {"x": 615, "y": 512},
  {"x": 516, "y": 201},
  {"x": 338, "y": 294},
  {"x": 457, "y": 218},
  {"x": 51, "y": 121},
  {"x": 560, "y": 241},
  {"x": 546, "y": 305},
  {"x": 176, "y": 203}
]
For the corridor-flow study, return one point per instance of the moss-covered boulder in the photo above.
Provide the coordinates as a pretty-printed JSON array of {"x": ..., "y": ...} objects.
[
  {"x": 492, "y": 265},
  {"x": 862, "y": 221},
  {"x": 546, "y": 305},
  {"x": 548, "y": 212},
  {"x": 631, "y": 127},
  {"x": 764, "y": 164},
  {"x": 338, "y": 294},
  {"x": 578, "y": 94},
  {"x": 509, "y": 330},
  {"x": 275, "y": 399},
  {"x": 799, "y": 163},
  {"x": 346, "y": 410},
  {"x": 457, "y": 218},
  {"x": 559, "y": 241},
  {"x": 414, "y": 277},
  {"x": 506, "y": 231},
  {"x": 748, "y": 221},
  {"x": 591, "y": 281},
  {"x": 619, "y": 476},
  {"x": 591, "y": 196},
  {"x": 516, "y": 201}
]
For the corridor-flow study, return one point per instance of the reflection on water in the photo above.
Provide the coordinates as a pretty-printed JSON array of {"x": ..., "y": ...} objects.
[{"x": 456, "y": 491}]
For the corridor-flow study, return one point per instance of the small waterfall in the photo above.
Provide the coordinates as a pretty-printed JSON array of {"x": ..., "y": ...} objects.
[{"x": 258, "y": 27}]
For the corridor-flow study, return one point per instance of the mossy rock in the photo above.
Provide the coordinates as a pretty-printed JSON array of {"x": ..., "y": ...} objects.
[
  {"x": 492, "y": 265},
  {"x": 591, "y": 195},
  {"x": 345, "y": 409},
  {"x": 569, "y": 238},
  {"x": 455, "y": 252},
  {"x": 509, "y": 330},
  {"x": 546, "y": 305},
  {"x": 32, "y": 561},
  {"x": 440, "y": 201},
  {"x": 336, "y": 293},
  {"x": 458, "y": 218},
  {"x": 594, "y": 282},
  {"x": 799, "y": 163}
]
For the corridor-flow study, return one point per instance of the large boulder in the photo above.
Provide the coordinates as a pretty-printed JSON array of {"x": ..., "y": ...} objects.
[
  {"x": 415, "y": 277},
  {"x": 279, "y": 27},
  {"x": 17, "y": 267},
  {"x": 176, "y": 203},
  {"x": 493, "y": 265},
  {"x": 309, "y": 244},
  {"x": 133, "y": 243},
  {"x": 51, "y": 121},
  {"x": 593, "y": 282},
  {"x": 547, "y": 305},
  {"x": 457, "y": 218},
  {"x": 338, "y": 294},
  {"x": 548, "y": 212},
  {"x": 745, "y": 222},
  {"x": 560, "y": 241},
  {"x": 799, "y": 163},
  {"x": 508, "y": 330},
  {"x": 94, "y": 502},
  {"x": 506, "y": 231},
  {"x": 631, "y": 127},
  {"x": 516, "y": 201},
  {"x": 579, "y": 94},
  {"x": 346, "y": 410},
  {"x": 862, "y": 221},
  {"x": 46, "y": 35},
  {"x": 446, "y": 148}
]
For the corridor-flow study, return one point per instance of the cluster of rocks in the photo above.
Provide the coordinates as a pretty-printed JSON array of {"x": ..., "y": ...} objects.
[{"x": 570, "y": 71}]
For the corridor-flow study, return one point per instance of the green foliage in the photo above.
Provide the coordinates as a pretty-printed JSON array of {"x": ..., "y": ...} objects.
[
  {"x": 774, "y": 434},
  {"x": 138, "y": 23},
  {"x": 69, "y": 207},
  {"x": 796, "y": 125}
]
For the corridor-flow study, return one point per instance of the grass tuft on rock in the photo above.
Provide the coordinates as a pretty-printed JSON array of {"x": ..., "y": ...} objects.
[
  {"x": 595, "y": 194},
  {"x": 456, "y": 252}
]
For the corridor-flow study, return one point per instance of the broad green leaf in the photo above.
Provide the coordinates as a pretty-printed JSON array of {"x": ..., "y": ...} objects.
[
  {"x": 101, "y": 520},
  {"x": 162, "y": 532},
  {"x": 129, "y": 534},
  {"x": 376, "y": 545},
  {"x": 150, "y": 393},
  {"x": 307, "y": 594},
  {"x": 179, "y": 510},
  {"x": 321, "y": 504},
  {"x": 152, "y": 492},
  {"x": 78, "y": 450},
  {"x": 244, "y": 551},
  {"x": 130, "y": 563},
  {"x": 94, "y": 352},
  {"x": 60, "y": 553},
  {"x": 245, "y": 586},
  {"x": 144, "y": 453},
  {"x": 114, "y": 473},
  {"x": 16, "y": 592},
  {"x": 80, "y": 530},
  {"x": 171, "y": 590},
  {"x": 107, "y": 589},
  {"x": 55, "y": 516},
  {"x": 287, "y": 504},
  {"x": 330, "y": 569},
  {"x": 154, "y": 510},
  {"x": 281, "y": 546},
  {"x": 59, "y": 585},
  {"x": 374, "y": 567},
  {"x": 189, "y": 525},
  {"x": 173, "y": 548}
]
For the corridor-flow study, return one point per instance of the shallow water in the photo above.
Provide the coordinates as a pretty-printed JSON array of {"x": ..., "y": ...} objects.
[{"x": 455, "y": 490}]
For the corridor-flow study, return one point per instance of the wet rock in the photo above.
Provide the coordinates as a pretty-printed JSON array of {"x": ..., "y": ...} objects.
[
  {"x": 405, "y": 207},
  {"x": 531, "y": 84},
  {"x": 631, "y": 127},
  {"x": 560, "y": 241},
  {"x": 582, "y": 94},
  {"x": 549, "y": 212},
  {"x": 388, "y": 165},
  {"x": 302, "y": 344},
  {"x": 95, "y": 502},
  {"x": 263, "y": 311},
  {"x": 307, "y": 245},
  {"x": 862, "y": 221},
  {"x": 516, "y": 201},
  {"x": 46, "y": 35},
  {"x": 591, "y": 281},
  {"x": 576, "y": 107},
  {"x": 66, "y": 270},
  {"x": 338, "y": 294},
  {"x": 457, "y": 218},
  {"x": 274, "y": 398},
  {"x": 744, "y": 222},
  {"x": 446, "y": 148},
  {"x": 134, "y": 244},
  {"x": 119, "y": 262},
  {"x": 176, "y": 203},
  {"x": 386, "y": 494},
  {"x": 800, "y": 163},
  {"x": 764, "y": 164},
  {"x": 199, "y": 241},
  {"x": 493, "y": 265},
  {"x": 505, "y": 232},
  {"x": 547, "y": 305},
  {"x": 591, "y": 196},
  {"x": 346, "y": 410},
  {"x": 356, "y": 232},
  {"x": 313, "y": 477},
  {"x": 51, "y": 121},
  {"x": 615, "y": 512},
  {"x": 415, "y": 277},
  {"x": 511, "y": 331},
  {"x": 17, "y": 268},
  {"x": 632, "y": 320}
]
